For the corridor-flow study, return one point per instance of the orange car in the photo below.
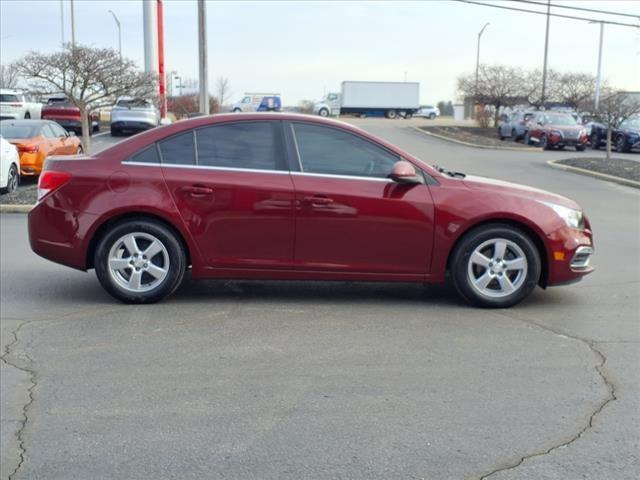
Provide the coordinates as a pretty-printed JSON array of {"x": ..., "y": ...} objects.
[{"x": 36, "y": 140}]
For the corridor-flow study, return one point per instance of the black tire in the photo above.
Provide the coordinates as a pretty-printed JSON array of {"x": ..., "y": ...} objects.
[
  {"x": 621, "y": 144},
  {"x": 408, "y": 116},
  {"x": 432, "y": 116},
  {"x": 391, "y": 114},
  {"x": 174, "y": 249},
  {"x": 27, "y": 116},
  {"x": 594, "y": 139},
  {"x": 96, "y": 128},
  {"x": 13, "y": 180},
  {"x": 323, "y": 112},
  {"x": 514, "y": 135},
  {"x": 236, "y": 110},
  {"x": 580, "y": 148},
  {"x": 80, "y": 150},
  {"x": 500, "y": 136},
  {"x": 460, "y": 258},
  {"x": 115, "y": 132},
  {"x": 544, "y": 143},
  {"x": 526, "y": 140},
  {"x": 560, "y": 147}
]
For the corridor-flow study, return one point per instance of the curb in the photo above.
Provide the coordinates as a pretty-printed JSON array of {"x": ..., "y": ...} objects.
[
  {"x": 474, "y": 145},
  {"x": 598, "y": 175},
  {"x": 13, "y": 208}
]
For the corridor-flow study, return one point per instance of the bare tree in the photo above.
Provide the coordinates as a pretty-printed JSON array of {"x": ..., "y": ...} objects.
[
  {"x": 576, "y": 90},
  {"x": 91, "y": 78},
  {"x": 9, "y": 76},
  {"x": 532, "y": 87},
  {"x": 498, "y": 86},
  {"x": 223, "y": 89},
  {"x": 615, "y": 108}
]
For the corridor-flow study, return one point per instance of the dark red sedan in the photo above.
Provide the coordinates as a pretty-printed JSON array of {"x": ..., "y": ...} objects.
[{"x": 274, "y": 196}]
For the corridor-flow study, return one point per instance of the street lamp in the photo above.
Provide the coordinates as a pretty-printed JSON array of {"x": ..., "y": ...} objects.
[
  {"x": 119, "y": 33},
  {"x": 478, "y": 59},
  {"x": 597, "y": 97}
]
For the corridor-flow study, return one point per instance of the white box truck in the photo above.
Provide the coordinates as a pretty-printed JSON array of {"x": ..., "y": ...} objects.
[{"x": 375, "y": 99}]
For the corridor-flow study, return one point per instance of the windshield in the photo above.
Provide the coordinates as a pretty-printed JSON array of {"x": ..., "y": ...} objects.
[
  {"x": 9, "y": 130},
  {"x": 560, "y": 120},
  {"x": 631, "y": 123}
]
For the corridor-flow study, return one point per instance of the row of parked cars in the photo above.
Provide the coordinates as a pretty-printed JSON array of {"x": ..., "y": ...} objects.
[{"x": 554, "y": 129}]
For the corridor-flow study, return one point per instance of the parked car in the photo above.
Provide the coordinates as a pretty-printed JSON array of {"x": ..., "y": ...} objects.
[
  {"x": 428, "y": 111},
  {"x": 36, "y": 140},
  {"x": 258, "y": 102},
  {"x": 326, "y": 200},
  {"x": 556, "y": 129},
  {"x": 516, "y": 125},
  {"x": 9, "y": 167},
  {"x": 625, "y": 138},
  {"x": 59, "y": 109},
  {"x": 16, "y": 104},
  {"x": 131, "y": 115}
]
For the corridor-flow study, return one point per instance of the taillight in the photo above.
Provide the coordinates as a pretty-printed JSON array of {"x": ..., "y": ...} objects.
[
  {"x": 28, "y": 148},
  {"x": 50, "y": 181}
]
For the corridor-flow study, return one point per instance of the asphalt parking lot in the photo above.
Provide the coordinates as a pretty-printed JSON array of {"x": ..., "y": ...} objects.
[{"x": 290, "y": 380}]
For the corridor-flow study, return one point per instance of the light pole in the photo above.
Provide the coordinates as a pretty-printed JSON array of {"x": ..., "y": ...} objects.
[
  {"x": 546, "y": 51},
  {"x": 475, "y": 91},
  {"x": 597, "y": 96},
  {"x": 73, "y": 26},
  {"x": 203, "y": 97},
  {"x": 119, "y": 33}
]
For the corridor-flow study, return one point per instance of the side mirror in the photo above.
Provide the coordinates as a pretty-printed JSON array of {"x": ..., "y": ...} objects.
[{"x": 404, "y": 172}]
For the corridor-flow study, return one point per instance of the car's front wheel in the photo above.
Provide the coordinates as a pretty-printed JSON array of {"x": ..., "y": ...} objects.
[
  {"x": 324, "y": 112},
  {"x": 13, "y": 179},
  {"x": 595, "y": 141},
  {"x": 544, "y": 143},
  {"x": 140, "y": 261},
  {"x": 621, "y": 144},
  {"x": 495, "y": 266}
]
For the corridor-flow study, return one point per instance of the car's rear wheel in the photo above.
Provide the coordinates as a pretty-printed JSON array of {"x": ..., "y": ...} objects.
[
  {"x": 595, "y": 141},
  {"x": 514, "y": 135},
  {"x": 114, "y": 132},
  {"x": 140, "y": 261},
  {"x": 391, "y": 114},
  {"x": 27, "y": 116},
  {"x": 432, "y": 116},
  {"x": 621, "y": 144},
  {"x": 495, "y": 266}
]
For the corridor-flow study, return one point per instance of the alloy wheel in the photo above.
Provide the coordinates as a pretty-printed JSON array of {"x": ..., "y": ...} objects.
[
  {"x": 138, "y": 262},
  {"x": 497, "y": 268},
  {"x": 12, "y": 181}
]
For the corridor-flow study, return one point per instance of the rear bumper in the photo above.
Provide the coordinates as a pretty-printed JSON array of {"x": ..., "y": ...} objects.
[
  {"x": 570, "y": 255},
  {"x": 30, "y": 164},
  {"x": 132, "y": 125}
]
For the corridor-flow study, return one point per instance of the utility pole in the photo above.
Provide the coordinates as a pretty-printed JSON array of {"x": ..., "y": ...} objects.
[
  {"x": 475, "y": 91},
  {"x": 73, "y": 26},
  {"x": 62, "y": 23},
  {"x": 161, "y": 75},
  {"x": 150, "y": 30},
  {"x": 203, "y": 97},
  {"x": 597, "y": 98},
  {"x": 119, "y": 33},
  {"x": 546, "y": 51}
]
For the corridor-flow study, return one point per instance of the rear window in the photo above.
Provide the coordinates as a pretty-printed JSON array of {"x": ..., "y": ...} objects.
[
  {"x": 250, "y": 145},
  {"x": 61, "y": 102},
  {"x": 178, "y": 150},
  {"x": 8, "y": 130},
  {"x": 9, "y": 98},
  {"x": 134, "y": 103}
]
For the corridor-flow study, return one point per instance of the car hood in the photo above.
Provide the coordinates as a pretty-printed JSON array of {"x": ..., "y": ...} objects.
[
  {"x": 523, "y": 191},
  {"x": 566, "y": 128}
]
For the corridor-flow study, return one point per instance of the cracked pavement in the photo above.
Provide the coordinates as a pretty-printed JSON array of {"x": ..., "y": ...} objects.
[{"x": 313, "y": 380}]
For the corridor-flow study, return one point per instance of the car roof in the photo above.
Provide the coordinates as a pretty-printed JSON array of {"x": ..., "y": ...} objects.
[
  {"x": 27, "y": 122},
  {"x": 11, "y": 91}
]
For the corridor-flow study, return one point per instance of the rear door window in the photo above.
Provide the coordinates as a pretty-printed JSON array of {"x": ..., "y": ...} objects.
[
  {"x": 148, "y": 155},
  {"x": 179, "y": 149},
  {"x": 246, "y": 145}
]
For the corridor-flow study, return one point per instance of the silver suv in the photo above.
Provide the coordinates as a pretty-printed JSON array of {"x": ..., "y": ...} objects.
[{"x": 131, "y": 114}]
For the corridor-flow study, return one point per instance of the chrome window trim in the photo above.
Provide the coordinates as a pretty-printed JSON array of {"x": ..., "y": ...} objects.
[
  {"x": 343, "y": 177},
  {"x": 206, "y": 167}
]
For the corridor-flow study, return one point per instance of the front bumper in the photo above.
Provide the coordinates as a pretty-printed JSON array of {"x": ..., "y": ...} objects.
[
  {"x": 561, "y": 141},
  {"x": 571, "y": 251}
]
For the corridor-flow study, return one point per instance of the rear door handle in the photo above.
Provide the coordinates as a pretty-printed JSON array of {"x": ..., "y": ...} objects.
[
  {"x": 318, "y": 200},
  {"x": 197, "y": 190}
]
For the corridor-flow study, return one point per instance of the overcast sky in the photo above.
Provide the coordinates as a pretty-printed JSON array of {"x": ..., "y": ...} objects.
[{"x": 303, "y": 49}]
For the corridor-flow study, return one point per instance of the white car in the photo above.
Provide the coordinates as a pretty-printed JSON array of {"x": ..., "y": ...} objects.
[
  {"x": 9, "y": 167},
  {"x": 17, "y": 105},
  {"x": 428, "y": 112},
  {"x": 131, "y": 114}
]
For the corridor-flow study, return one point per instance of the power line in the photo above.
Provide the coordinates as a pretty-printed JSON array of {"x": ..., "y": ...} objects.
[
  {"x": 594, "y": 20},
  {"x": 555, "y": 5}
]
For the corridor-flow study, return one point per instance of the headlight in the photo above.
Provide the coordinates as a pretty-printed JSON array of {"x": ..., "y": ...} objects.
[
  {"x": 573, "y": 218},
  {"x": 582, "y": 132}
]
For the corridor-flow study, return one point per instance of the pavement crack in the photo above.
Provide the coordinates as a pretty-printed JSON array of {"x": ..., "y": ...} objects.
[
  {"x": 33, "y": 378},
  {"x": 600, "y": 368}
]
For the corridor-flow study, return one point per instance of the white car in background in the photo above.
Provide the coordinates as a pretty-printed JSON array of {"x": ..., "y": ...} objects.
[
  {"x": 428, "y": 112},
  {"x": 131, "y": 114},
  {"x": 9, "y": 167},
  {"x": 18, "y": 105}
]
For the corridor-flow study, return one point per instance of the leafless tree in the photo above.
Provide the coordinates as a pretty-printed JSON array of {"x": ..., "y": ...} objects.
[
  {"x": 9, "y": 76},
  {"x": 532, "y": 87},
  {"x": 577, "y": 90},
  {"x": 614, "y": 109},
  {"x": 305, "y": 106},
  {"x": 498, "y": 86},
  {"x": 91, "y": 78},
  {"x": 223, "y": 90}
]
